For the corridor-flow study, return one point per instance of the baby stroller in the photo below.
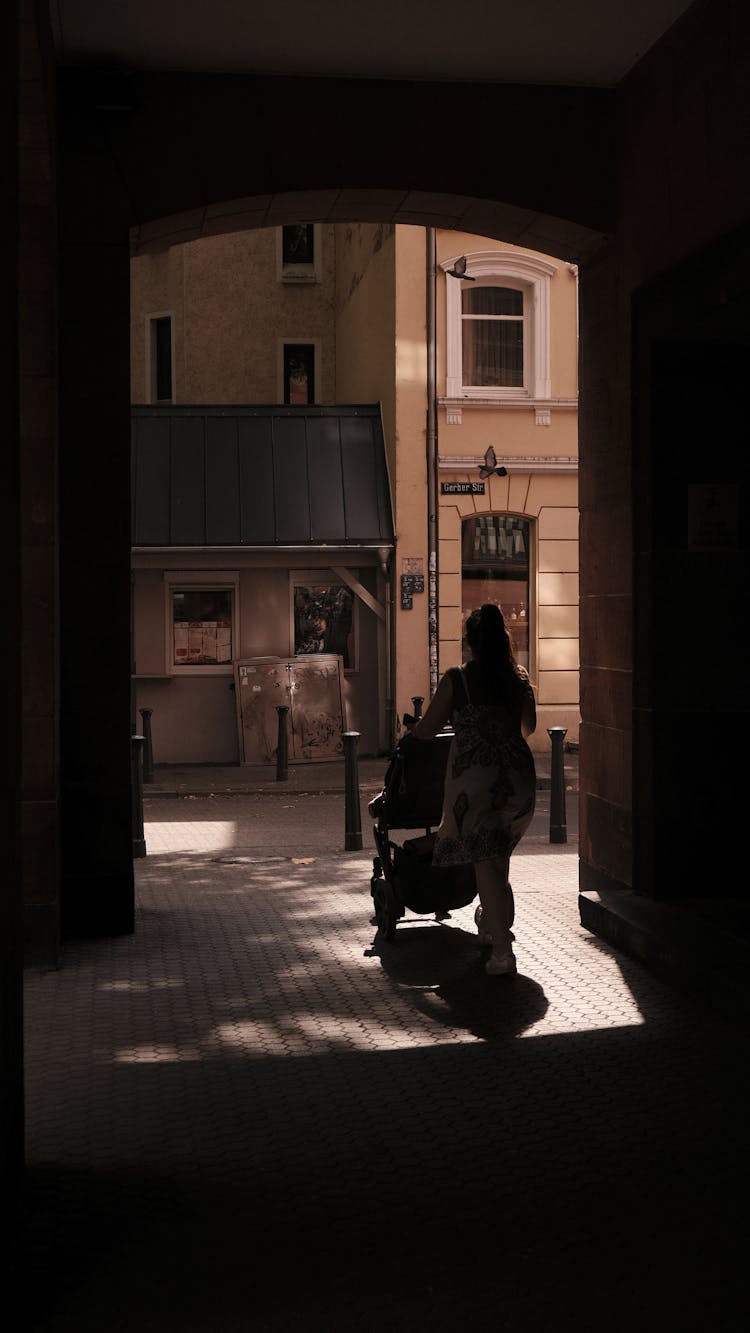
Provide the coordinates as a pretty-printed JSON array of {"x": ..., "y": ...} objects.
[{"x": 403, "y": 873}]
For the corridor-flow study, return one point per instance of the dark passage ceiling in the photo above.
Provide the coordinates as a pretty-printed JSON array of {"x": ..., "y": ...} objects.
[{"x": 590, "y": 43}]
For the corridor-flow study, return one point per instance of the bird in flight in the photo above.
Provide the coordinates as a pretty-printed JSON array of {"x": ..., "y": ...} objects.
[
  {"x": 489, "y": 466},
  {"x": 459, "y": 270}
]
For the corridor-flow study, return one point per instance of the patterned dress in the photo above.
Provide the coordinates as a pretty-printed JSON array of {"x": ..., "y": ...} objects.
[{"x": 490, "y": 782}]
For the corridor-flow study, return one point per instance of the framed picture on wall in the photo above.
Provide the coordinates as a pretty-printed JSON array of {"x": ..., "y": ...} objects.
[{"x": 324, "y": 617}]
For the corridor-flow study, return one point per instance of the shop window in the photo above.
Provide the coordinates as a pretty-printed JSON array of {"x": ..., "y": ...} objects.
[
  {"x": 201, "y": 622},
  {"x": 160, "y": 359},
  {"x": 495, "y": 568},
  {"x": 324, "y": 619},
  {"x": 299, "y": 373}
]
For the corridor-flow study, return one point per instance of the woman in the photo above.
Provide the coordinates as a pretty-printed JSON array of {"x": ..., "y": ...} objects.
[{"x": 490, "y": 783}]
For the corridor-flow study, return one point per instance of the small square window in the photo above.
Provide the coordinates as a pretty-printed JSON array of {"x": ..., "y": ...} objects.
[
  {"x": 298, "y": 244},
  {"x": 201, "y": 627},
  {"x": 299, "y": 253}
]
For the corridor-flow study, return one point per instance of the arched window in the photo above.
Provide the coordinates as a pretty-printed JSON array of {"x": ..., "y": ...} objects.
[
  {"x": 498, "y": 327},
  {"x": 495, "y": 568}
]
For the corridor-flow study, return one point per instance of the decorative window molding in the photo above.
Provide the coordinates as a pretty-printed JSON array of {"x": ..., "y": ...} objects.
[
  {"x": 532, "y": 277},
  {"x": 515, "y": 464},
  {"x": 306, "y": 271},
  {"x": 207, "y": 642},
  {"x": 542, "y": 409}
]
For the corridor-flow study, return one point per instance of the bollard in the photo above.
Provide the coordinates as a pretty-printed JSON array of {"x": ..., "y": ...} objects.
[
  {"x": 558, "y": 830},
  {"x": 282, "y": 747},
  {"x": 136, "y": 771},
  {"x": 148, "y": 748},
  {"x": 417, "y": 700},
  {"x": 353, "y": 812}
]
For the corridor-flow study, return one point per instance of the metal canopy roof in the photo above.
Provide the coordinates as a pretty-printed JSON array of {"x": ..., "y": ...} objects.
[{"x": 269, "y": 477}]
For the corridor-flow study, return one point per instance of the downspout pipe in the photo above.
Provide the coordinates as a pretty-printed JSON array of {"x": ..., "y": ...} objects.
[{"x": 432, "y": 459}]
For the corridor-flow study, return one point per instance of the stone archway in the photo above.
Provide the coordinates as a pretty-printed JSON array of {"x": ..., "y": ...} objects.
[{"x": 145, "y": 160}]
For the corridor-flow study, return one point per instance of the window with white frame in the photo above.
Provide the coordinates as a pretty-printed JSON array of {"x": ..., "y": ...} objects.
[
  {"x": 202, "y": 618},
  {"x": 498, "y": 326}
]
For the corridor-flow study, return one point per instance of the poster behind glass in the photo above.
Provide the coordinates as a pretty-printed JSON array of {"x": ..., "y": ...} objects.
[
  {"x": 324, "y": 620},
  {"x": 202, "y": 627}
]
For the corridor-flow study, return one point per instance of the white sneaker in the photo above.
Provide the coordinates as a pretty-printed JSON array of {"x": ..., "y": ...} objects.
[{"x": 501, "y": 965}]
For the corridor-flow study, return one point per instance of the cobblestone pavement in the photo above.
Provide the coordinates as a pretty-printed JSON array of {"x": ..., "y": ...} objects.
[{"x": 255, "y": 1116}]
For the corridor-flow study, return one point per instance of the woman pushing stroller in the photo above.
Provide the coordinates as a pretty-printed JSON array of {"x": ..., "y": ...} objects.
[{"x": 490, "y": 782}]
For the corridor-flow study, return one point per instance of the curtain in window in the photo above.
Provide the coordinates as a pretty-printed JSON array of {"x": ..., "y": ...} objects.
[{"x": 492, "y": 337}]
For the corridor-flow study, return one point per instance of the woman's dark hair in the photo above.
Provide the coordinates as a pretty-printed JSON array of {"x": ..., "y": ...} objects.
[{"x": 489, "y": 640}]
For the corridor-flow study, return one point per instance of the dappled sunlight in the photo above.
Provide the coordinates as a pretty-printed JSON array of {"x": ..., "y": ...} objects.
[
  {"x": 141, "y": 987},
  {"x": 156, "y": 1055},
  {"x": 409, "y": 361},
  {"x": 215, "y": 835}
]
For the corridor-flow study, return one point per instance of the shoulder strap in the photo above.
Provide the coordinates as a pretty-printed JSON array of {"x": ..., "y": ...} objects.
[{"x": 460, "y": 674}]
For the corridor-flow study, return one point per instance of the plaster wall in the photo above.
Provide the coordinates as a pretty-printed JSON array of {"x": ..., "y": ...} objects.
[
  {"x": 412, "y": 553},
  {"x": 231, "y": 313},
  {"x": 365, "y": 321}
]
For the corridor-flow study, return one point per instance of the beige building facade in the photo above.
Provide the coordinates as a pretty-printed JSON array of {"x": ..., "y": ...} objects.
[{"x": 454, "y": 361}]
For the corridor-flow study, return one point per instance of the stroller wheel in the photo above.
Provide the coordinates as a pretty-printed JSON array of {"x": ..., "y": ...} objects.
[{"x": 385, "y": 907}]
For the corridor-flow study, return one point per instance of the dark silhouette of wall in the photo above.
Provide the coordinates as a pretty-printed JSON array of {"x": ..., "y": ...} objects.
[{"x": 629, "y": 183}]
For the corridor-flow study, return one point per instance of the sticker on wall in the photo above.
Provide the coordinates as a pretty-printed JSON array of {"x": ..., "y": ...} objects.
[{"x": 410, "y": 584}]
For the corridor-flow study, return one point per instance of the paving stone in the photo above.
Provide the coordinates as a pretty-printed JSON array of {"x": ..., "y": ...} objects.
[{"x": 255, "y": 1116}]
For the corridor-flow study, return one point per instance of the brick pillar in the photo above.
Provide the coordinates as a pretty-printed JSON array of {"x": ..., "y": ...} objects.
[{"x": 96, "y": 828}]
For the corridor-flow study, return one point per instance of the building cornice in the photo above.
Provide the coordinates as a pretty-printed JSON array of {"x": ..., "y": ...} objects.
[
  {"x": 512, "y": 462},
  {"x": 541, "y": 407}
]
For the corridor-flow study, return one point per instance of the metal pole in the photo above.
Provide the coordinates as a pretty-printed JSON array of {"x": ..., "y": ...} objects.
[
  {"x": 353, "y": 812},
  {"x": 282, "y": 747},
  {"x": 558, "y": 829},
  {"x": 136, "y": 770},
  {"x": 432, "y": 457},
  {"x": 148, "y": 748}
]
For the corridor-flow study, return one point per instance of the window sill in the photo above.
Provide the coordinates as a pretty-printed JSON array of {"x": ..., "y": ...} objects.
[
  {"x": 509, "y": 400},
  {"x": 302, "y": 276},
  {"x": 200, "y": 671}
]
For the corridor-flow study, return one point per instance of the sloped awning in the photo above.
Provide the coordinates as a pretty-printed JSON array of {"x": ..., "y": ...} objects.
[{"x": 264, "y": 477}]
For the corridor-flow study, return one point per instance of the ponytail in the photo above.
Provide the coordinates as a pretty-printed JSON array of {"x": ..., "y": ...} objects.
[{"x": 490, "y": 642}]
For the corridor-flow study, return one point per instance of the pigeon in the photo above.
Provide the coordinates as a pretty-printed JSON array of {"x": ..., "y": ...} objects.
[
  {"x": 490, "y": 465},
  {"x": 459, "y": 270}
]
